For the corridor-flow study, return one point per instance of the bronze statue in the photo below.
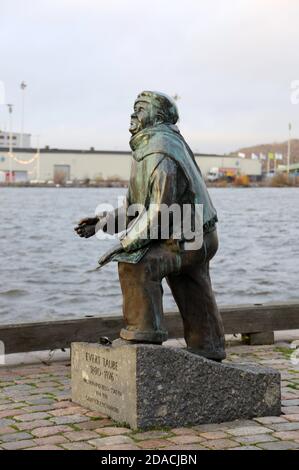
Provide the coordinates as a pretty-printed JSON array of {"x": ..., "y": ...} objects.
[{"x": 163, "y": 172}]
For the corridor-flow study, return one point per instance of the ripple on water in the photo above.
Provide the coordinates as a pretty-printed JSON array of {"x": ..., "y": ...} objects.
[
  {"x": 14, "y": 293},
  {"x": 49, "y": 274}
]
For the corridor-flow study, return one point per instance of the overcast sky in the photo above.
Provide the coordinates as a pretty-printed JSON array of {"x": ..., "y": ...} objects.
[{"x": 230, "y": 61}]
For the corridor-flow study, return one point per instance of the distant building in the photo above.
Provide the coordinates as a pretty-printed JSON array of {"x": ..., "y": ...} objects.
[
  {"x": 18, "y": 141},
  {"x": 60, "y": 166}
]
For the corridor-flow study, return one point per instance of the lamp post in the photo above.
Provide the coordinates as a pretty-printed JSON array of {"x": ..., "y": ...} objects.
[
  {"x": 38, "y": 159},
  {"x": 10, "y": 107},
  {"x": 289, "y": 149},
  {"x": 23, "y": 87}
]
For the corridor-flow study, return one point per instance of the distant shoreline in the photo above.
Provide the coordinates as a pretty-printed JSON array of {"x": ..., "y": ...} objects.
[{"x": 124, "y": 184}]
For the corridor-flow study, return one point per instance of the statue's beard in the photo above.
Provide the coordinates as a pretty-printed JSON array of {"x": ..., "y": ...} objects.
[{"x": 135, "y": 126}]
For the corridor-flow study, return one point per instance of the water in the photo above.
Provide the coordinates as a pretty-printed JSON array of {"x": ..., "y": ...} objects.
[{"x": 47, "y": 272}]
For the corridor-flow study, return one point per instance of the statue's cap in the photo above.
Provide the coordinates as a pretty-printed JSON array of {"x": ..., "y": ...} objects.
[{"x": 163, "y": 102}]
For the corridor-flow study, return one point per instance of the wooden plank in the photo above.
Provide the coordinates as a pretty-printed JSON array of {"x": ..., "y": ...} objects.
[
  {"x": 264, "y": 317},
  {"x": 27, "y": 337}
]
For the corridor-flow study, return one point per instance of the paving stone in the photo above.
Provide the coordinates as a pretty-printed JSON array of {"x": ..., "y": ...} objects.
[
  {"x": 184, "y": 431},
  {"x": 287, "y": 395},
  {"x": 271, "y": 419},
  {"x": 96, "y": 424},
  {"x": 35, "y": 408},
  {"x": 27, "y": 425},
  {"x": 219, "y": 444},
  {"x": 188, "y": 439},
  {"x": 62, "y": 404},
  {"x": 112, "y": 440},
  {"x": 245, "y": 448},
  {"x": 40, "y": 401},
  {"x": 289, "y": 410},
  {"x": 46, "y": 390},
  {"x": 249, "y": 430},
  {"x": 77, "y": 446},
  {"x": 50, "y": 430},
  {"x": 119, "y": 447},
  {"x": 62, "y": 396},
  {"x": 96, "y": 414},
  {"x": 294, "y": 402},
  {"x": 16, "y": 445},
  {"x": 47, "y": 384},
  {"x": 186, "y": 447},
  {"x": 214, "y": 435},
  {"x": 11, "y": 406},
  {"x": 287, "y": 435},
  {"x": 254, "y": 439},
  {"x": 16, "y": 436},
  {"x": 39, "y": 376},
  {"x": 68, "y": 411},
  {"x": 113, "y": 431},
  {"x": 223, "y": 426},
  {"x": 30, "y": 416},
  {"x": 153, "y": 444},
  {"x": 19, "y": 388},
  {"x": 46, "y": 447},
  {"x": 279, "y": 445},
  {"x": 77, "y": 436},
  {"x": 294, "y": 418},
  {"x": 6, "y": 422},
  {"x": 72, "y": 419},
  {"x": 285, "y": 426},
  {"x": 141, "y": 436},
  {"x": 6, "y": 430},
  {"x": 42, "y": 441}
]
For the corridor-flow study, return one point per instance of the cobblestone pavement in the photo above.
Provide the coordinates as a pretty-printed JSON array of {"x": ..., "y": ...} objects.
[{"x": 36, "y": 413}]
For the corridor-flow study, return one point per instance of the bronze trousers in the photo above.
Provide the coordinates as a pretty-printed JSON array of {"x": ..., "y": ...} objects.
[{"x": 187, "y": 274}]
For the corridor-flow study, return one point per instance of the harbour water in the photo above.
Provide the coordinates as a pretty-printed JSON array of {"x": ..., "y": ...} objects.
[{"x": 47, "y": 272}]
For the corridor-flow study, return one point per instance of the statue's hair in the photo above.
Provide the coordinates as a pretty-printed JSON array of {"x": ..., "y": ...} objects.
[{"x": 166, "y": 107}]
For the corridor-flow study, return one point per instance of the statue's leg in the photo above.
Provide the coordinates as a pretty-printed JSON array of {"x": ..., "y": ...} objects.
[
  {"x": 142, "y": 301},
  {"x": 193, "y": 293}
]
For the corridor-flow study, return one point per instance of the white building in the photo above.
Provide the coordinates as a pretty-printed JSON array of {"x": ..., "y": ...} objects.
[
  {"x": 18, "y": 140},
  {"x": 68, "y": 165}
]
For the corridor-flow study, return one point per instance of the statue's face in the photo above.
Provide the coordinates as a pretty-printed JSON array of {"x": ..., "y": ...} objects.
[{"x": 142, "y": 117}]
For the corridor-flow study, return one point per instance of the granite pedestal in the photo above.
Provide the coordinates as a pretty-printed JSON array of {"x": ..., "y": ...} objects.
[{"x": 148, "y": 386}]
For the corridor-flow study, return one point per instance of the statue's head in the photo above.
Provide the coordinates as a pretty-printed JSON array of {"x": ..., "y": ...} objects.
[{"x": 152, "y": 108}]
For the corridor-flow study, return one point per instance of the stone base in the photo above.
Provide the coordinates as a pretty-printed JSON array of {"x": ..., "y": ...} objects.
[{"x": 147, "y": 386}]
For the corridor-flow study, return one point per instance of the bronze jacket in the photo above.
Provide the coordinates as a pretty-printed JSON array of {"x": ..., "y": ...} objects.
[{"x": 163, "y": 171}]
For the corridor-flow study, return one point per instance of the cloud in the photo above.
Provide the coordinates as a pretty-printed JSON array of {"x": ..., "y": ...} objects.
[{"x": 84, "y": 61}]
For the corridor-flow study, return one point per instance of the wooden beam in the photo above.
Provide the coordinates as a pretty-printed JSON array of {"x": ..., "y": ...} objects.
[
  {"x": 25, "y": 337},
  {"x": 261, "y": 317}
]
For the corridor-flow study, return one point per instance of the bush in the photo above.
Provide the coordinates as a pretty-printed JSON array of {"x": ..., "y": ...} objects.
[
  {"x": 241, "y": 180},
  {"x": 282, "y": 179}
]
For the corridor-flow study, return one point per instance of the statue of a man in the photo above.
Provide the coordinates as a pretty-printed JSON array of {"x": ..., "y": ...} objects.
[{"x": 164, "y": 172}]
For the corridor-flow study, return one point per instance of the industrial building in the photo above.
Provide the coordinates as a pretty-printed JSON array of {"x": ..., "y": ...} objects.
[
  {"x": 18, "y": 140},
  {"x": 62, "y": 166}
]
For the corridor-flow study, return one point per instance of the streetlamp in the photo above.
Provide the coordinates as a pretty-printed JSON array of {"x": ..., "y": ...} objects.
[
  {"x": 23, "y": 87},
  {"x": 289, "y": 149},
  {"x": 38, "y": 159},
  {"x": 10, "y": 107}
]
